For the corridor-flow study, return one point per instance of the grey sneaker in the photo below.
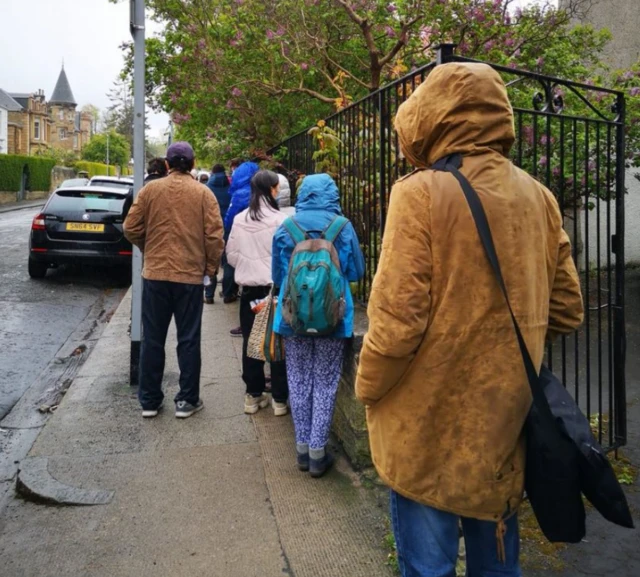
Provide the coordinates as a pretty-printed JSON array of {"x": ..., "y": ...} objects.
[
  {"x": 253, "y": 404},
  {"x": 185, "y": 409}
]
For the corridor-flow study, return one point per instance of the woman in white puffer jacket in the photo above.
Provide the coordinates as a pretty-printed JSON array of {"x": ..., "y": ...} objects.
[{"x": 249, "y": 252}]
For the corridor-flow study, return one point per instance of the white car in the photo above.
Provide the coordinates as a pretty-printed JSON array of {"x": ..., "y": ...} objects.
[{"x": 125, "y": 183}]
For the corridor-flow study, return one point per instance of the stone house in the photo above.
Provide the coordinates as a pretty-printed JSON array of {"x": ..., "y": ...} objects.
[
  {"x": 29, "y": 127},
  {"x": 38, "y": 125},
  {"x": 71, "y": 129},
  {"x": 7, "y": 105}
]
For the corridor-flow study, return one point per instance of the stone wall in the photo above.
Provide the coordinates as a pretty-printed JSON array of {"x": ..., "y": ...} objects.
[
  {"x": 59, "y": 174},
  {"x": 621, "y": 18},
  {"x": 349, "y": 422}
]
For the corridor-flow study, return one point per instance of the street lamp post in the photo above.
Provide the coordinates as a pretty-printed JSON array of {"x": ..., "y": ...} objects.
[
  {"x": 137, "y": 21},
  {"x": 108, "y": 169}
]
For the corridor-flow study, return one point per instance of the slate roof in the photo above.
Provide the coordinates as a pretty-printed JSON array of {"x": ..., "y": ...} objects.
[
  {"x": 62, "y": 92},
  {"x": 8, "y": 103}
]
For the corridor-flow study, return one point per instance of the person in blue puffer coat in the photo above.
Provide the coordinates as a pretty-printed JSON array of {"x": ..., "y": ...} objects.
[
  {"x": 240, "y": 192},
  {"x": 314, "y": 364}
]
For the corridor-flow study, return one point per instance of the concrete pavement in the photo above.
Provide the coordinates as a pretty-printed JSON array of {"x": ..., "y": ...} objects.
[
  {"x": 216, "y": 494},
  {"x": 20, "y": 205}
]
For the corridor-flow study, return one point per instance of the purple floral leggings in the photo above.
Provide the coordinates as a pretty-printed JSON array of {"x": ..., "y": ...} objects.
[{"x": 314, "y": 366}]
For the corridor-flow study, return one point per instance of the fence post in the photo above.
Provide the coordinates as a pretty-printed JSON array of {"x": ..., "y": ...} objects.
[
  {"x": 445, "y": 53},
  {"x": 382, "y": 159},
  {"x": 619, "y": 331}
]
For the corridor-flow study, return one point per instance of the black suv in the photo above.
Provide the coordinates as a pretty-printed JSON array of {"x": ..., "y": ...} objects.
[{"x": 80, "y": 225}]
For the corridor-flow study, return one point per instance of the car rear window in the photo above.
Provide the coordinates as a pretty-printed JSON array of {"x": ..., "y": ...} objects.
[
  {"x": 110, "y": 184},
  {"x": 75, "y": 182},
  {"x": 73, "y": 200}
]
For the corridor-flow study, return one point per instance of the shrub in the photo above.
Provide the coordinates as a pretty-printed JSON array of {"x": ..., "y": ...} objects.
[
  {"x": 96, "y": 168},
  {"x": 38, "y": 172}
]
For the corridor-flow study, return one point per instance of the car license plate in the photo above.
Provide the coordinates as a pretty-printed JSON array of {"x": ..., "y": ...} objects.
[{"x": 85, "y": 227}]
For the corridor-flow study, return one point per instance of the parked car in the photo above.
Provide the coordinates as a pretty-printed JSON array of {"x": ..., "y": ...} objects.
[
  {"x": 71, "y": 182},
  {"x": 112, "y": 182},
  {"x": 80, "y": 225}
]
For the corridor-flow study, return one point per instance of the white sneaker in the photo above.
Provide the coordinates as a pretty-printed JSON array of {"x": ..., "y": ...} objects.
[
  {"x": 149, "y": 414},
  {"x": 253, "y": 404},
  {"x": 279, "y": 409}
]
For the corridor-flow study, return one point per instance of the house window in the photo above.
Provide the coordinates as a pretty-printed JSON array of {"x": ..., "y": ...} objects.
[
  {"x": 61, "y": 114},
  {"x": 75, "y": 141},
  {"x": 36, "y": 130},
  {"x": 62, "y": 134}
]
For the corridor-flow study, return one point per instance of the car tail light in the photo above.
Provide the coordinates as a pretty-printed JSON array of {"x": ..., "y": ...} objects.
[
  {"x": 126, "y": 252},
  {"x": 38, "y": 222},
  {"x": 38, "y": 250}
]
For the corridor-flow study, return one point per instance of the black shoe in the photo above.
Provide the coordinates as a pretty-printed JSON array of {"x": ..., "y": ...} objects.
[
  {"x": 318, "y": 467},
  {"x": 303, "y": 461},
  {"x": 208, "y": 300},
  {"x": 230, "y": 299},
  {"x": 237, "y": 332}
]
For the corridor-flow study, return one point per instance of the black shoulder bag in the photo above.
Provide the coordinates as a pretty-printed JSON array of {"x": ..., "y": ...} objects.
[{"x": 563, "y": 457}]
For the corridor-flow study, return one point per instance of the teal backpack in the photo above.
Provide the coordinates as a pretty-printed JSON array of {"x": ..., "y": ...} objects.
[{"x": 314, "y": 302}]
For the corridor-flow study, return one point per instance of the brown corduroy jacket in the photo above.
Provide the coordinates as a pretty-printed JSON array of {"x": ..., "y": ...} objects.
[
  {"x": 176, "y": 222},
  {"x": 440, "y": 370}
]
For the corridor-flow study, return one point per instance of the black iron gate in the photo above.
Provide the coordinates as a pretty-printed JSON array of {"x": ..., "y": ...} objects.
[{"x": 571, "y": 137}]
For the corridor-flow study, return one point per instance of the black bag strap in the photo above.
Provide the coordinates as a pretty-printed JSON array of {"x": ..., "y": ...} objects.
[{"x": 451, "y": 164}]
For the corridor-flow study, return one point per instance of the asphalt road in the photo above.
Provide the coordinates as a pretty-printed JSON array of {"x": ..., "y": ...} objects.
[{"x": 38, "y": 317}]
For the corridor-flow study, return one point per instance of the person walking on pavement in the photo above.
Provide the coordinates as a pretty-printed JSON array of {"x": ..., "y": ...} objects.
[
  {"x": 218, "y": 183},
  {"x": 249, "y": 252},
  {"x": 440, "y": 370},
  {"x": 314, "y": 363},
  {"x": 175, "y": 221},
  {"x": 240, "y": 191},
  {"x": 156, "y": 168}
]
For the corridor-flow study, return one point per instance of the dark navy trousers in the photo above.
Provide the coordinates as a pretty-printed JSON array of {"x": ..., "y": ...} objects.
[{"x": 162, "y": 300}]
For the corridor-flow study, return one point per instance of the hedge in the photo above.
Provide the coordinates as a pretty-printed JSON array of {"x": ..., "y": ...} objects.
[
  {"x": 98, "y": 169},
  {"x": 39, "y": 172}
]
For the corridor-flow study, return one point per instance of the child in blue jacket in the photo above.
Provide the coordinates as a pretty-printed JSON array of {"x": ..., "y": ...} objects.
[{"x": 314, "y": 364}]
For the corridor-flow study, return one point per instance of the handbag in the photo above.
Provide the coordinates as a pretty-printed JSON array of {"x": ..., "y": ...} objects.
[
  {"x": 264, "y": 344},
  {"x": 563, "y": 459}
]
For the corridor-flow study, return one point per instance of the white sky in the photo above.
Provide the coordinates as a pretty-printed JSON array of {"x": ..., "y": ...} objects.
[{"x": 85, "y": 33}]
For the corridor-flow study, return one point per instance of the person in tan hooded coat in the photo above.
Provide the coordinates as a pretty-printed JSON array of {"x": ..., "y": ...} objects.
[{"x": 440, "y": 371}]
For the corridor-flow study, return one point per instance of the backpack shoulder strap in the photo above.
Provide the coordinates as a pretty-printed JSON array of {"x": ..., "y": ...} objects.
[
  {"x": 295, "y": 230},
  {"x": 332, "y": 232}
]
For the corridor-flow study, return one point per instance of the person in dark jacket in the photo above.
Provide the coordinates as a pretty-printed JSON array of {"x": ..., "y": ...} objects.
[
  {"x": 157, "y": 168},
  {"x": 219, "y": 185}
]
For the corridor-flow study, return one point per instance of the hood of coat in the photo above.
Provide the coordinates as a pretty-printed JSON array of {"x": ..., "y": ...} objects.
[
  {"x": 459, "y": 108},
  {"x": 218, "y": 179},
  {"x": 241, "y": 179},
  {"x": 284, "y": 192},
  {"x": 318, "y": 192}
]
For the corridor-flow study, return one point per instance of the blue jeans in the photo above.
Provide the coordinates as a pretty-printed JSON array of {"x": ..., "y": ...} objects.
[
  {"x": 427, "y": 542},
  {"x": 210, "y": 290},
  {"x": 229, "y": 286}
]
